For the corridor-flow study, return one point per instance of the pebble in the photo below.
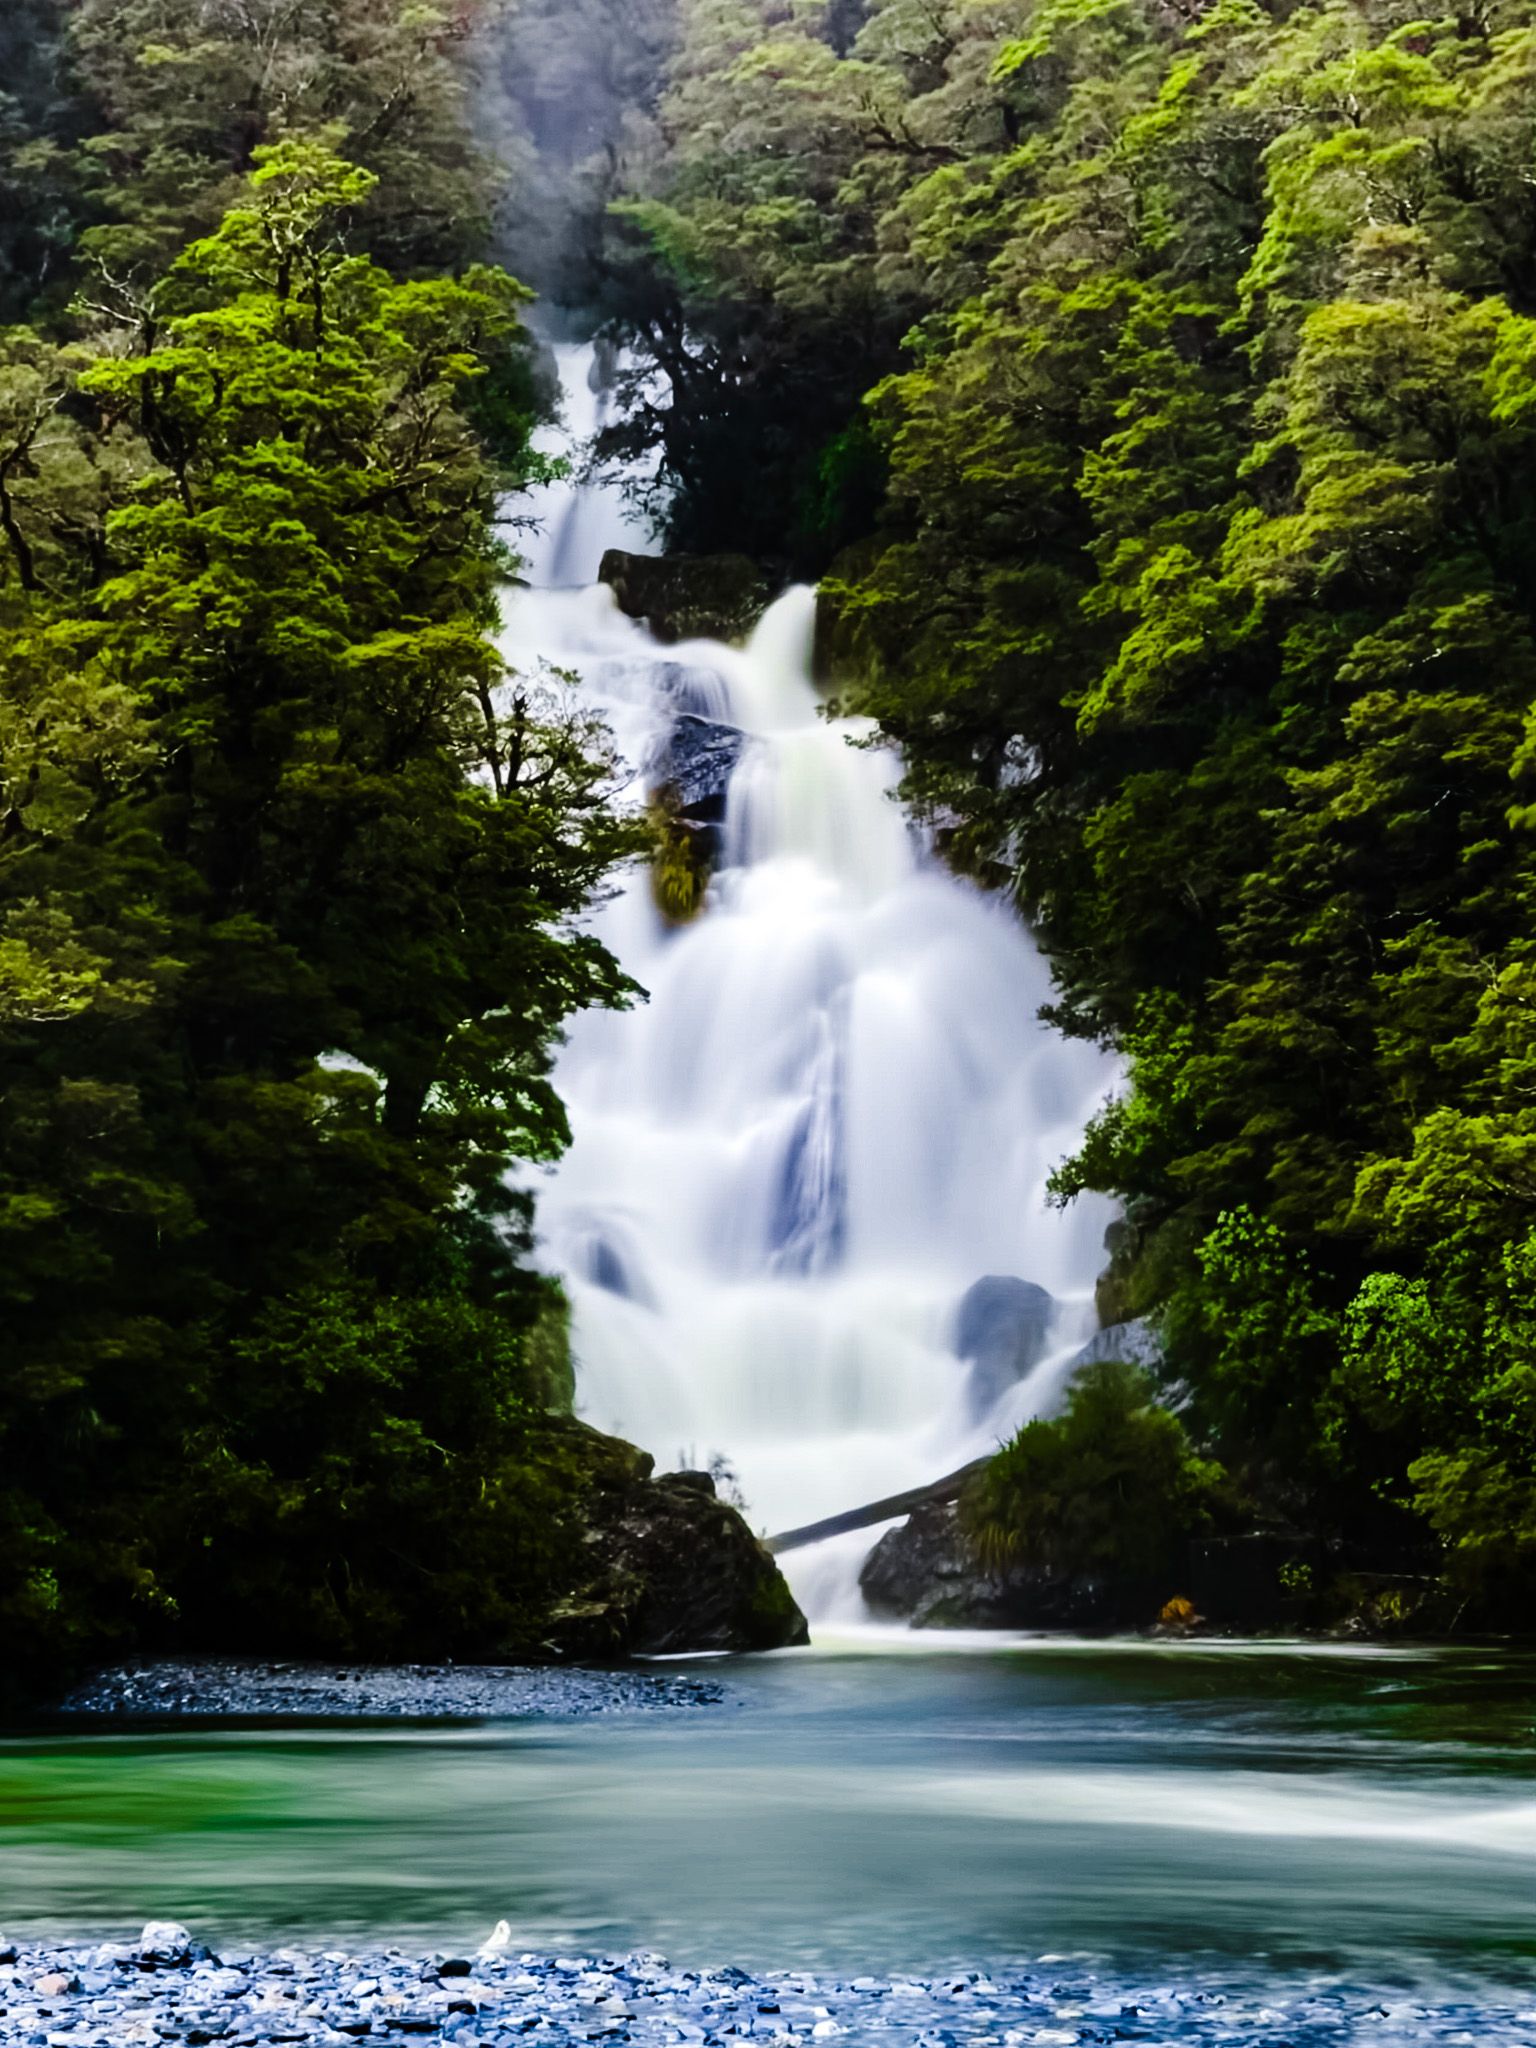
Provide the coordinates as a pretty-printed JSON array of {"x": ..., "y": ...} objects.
[
  {"x": 168, "y": 1987},
  {"x": 229, "y": 1688}
]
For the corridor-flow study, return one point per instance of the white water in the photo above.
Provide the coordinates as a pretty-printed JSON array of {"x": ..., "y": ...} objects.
[{"x": 837, "y": 1111}]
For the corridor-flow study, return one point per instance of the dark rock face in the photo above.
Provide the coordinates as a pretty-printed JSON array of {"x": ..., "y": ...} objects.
[
  {"x": 695, "y": 764},
  {"x": 1002, "y": 1328},
  {"x": 672, "y": 1569},
  {"x": 926, "y": 1572},
  {"x": 690, "y": 597}
]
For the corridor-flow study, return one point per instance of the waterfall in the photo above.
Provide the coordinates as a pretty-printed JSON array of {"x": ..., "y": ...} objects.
[{"x": 836, "y": 1114}]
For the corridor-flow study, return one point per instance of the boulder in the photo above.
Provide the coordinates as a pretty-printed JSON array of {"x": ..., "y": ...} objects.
[
  {"x": 167, "y": 1945},
  {"x": 670, "y": 1567},
  {"x": 692, "y": 597},
  {"x": 927, "y": 1572},
  {"x": 695, "y": 763},
  {"x": 1002, "y": 1330}
]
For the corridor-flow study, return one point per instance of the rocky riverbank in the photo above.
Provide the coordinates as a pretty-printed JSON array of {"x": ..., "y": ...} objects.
[
  {"x": 167, "y": 1987},
  {"x": 235, "y": 1689}
]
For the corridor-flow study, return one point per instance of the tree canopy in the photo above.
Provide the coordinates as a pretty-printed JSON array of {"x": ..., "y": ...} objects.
[
  {"x": 1173, "y": 383},
  {"x": 290, "y": 874}
]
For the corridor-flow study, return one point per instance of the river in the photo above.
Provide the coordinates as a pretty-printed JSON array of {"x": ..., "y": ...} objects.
[{"x": 876, "y": 1804}]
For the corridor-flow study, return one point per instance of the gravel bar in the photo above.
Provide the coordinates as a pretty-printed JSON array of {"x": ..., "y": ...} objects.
[
  {"x": 234, "y": 1689},
  {"x": 166, "y": 1987}
]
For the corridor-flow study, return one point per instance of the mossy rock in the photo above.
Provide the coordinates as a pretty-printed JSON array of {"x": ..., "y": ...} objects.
[
  {"x": 682, "y": 862},
  {"x": 693, "y": 597},
  {"x": 667, "y": 1567}
]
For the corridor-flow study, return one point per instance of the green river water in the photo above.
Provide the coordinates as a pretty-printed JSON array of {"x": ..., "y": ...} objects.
[{"x": 869, "y": 1804}]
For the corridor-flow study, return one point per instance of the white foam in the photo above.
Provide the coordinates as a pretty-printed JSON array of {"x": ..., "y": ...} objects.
[{"x": 838, "y": 1110}]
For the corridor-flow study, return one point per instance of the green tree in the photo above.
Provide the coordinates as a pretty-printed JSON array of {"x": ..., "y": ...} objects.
[
  {"x": 289, "y": 881},
  {"x": 1197, "y": 599}
]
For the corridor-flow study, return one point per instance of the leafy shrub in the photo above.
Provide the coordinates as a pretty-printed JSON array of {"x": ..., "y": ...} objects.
[{"x": 1110, "y": 1486}]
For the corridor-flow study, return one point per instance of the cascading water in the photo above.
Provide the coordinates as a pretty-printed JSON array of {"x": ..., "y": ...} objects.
[{"x": 835, "y": 1115}]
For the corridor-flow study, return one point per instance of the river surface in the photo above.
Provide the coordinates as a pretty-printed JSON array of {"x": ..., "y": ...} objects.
[{"x": 875, "y": 1804}]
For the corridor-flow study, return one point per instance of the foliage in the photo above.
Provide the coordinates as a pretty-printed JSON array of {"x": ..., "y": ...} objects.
[
  {"x": 42, "y": 125},
  {"x": 1198, "y": 601},
  {"x": 289, "y": 879},
  {"x": 1111, "y": 1486},
  {"x": 743, "y": 276},
  {"x": 680, "y": 864},
  {"x": 1449, "y": 1363},
  {"x": 127, "y": 126}
]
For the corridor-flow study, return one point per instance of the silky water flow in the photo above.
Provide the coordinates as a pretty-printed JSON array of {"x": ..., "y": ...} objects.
[{"x": 836, "y": 1114}]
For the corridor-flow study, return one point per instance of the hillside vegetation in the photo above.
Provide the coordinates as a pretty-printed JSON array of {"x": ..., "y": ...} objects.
[
  {"x": 1157, "y": 383},
  {"x": 288, "y": 863},
  {"x": 1154, "y": 388}
]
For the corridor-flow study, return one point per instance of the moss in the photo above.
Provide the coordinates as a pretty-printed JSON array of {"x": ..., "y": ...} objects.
[
  {"x": 680, "y": 866},
  {"x": 547, "y": 1350},
  {"x": 773, "y": 1616}
]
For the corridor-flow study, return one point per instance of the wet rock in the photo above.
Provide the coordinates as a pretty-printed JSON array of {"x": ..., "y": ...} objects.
[
  {"x": 166, "y": 1943},
  {"x": 1135, "y": 1342},
  {"x": 673, "y": 1568},
  {"x": 691, "y": 597},
  {"x": 695, "y": 763},
  {"x": 1002, "y": 1330},
  {"x": 928, "y": 1573}
]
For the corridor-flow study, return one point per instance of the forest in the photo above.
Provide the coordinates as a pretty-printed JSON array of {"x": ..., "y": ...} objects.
[
  {"x": 1153, "y": 387},
  {"x": 288, "y": 875},
  {"x": 1150, "y": 386}
]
